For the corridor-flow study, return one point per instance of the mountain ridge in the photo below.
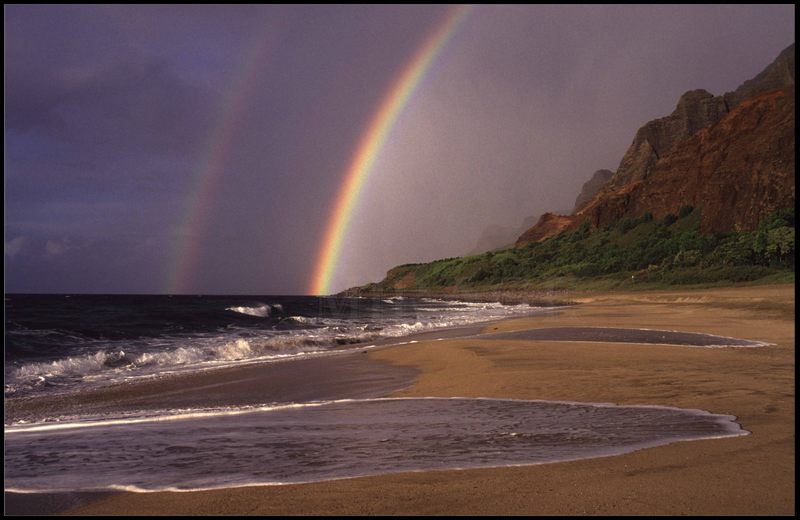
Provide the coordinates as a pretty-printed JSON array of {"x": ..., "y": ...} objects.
[
  {"x": 701, "y": 122},
  {"x": 722, "y": 167}
]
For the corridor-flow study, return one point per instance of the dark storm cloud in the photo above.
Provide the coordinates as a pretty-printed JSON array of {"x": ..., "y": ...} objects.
[
  {"x": 99, "y": 130},
  {"x": 112, "y": 118},
  {"x": 113, "y": 114},
  {"x": 135, "y": 102}
]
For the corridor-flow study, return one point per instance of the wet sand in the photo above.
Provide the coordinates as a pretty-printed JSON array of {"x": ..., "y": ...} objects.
[
  {"x": 342, "y": 376},
  {"x": 753, "y": 474},
  {"x": 345, "y": 376},
  {"x": 617, "y": 335}
]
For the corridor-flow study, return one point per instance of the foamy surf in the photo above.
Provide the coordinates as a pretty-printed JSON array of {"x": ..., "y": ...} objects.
[
  {"x": 183, "y": 334},
  {"x": 260, "y": 311}
]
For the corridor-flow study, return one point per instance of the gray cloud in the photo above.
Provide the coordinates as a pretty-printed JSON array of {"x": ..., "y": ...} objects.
[
  {"x": 116, "y": 116},
  {"x": 13, "y": 247}
]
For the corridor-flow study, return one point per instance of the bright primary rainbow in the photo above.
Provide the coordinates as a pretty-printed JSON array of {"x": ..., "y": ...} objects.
[{"x": 371, "y": 143}]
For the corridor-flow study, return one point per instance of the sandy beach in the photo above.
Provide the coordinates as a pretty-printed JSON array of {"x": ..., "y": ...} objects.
[{"x": 752, "y": 474}]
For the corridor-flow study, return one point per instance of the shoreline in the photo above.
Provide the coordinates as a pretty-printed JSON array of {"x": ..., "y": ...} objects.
[
  {"x": 139, "y": 384},
  {"x": 344, "y": 373},
  {"x": 242, "y": 384},
  {"x": 753, "y": 474},
  {"x": 534, "y": 297},
  {"x": 348, "y": 375}
]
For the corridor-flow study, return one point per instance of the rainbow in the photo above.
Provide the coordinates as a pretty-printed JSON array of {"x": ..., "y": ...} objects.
[
  {"x": 372, "y": 142},
  {"x": 217, "y": 152}
]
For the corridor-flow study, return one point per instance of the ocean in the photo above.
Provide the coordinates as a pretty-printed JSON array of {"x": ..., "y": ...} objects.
[
  {"x": 149, "y": 393},
  {"x": 60, "y": 343}
]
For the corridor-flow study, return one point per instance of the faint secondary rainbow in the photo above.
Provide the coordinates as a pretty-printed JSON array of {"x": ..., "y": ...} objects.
[
  {"x": 217, "y": 152},
  {"x": 372, "y": 142}
]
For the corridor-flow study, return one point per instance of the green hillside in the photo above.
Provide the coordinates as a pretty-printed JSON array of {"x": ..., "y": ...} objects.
[{"x": 632, "y": 252}]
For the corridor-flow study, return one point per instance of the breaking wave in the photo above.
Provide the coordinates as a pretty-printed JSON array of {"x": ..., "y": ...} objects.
[
  {"x": 292, "y": 329},
  {"x": 261, "y": 311},
  {"x": 112, "y": 365}
]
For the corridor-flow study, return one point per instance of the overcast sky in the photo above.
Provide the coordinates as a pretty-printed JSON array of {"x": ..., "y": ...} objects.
[{"x": 115, "y": 114}]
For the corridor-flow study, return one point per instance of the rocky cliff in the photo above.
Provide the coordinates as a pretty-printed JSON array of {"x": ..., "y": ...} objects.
[
  {"x": 737, "y": 171},
  {"x": 591, "y": 188},
  {"x": 730, "y": 155},
  {"x": 550, "y": 224},
  {"x": 495, "y": 238},
  {"x": 696, "y": 110},
  {"x": 779, "y": 74}
]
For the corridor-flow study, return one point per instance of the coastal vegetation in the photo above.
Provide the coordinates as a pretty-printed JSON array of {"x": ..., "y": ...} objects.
[
  {"x": 634, "y": 252},
  {"x": 702, "y": 197}
]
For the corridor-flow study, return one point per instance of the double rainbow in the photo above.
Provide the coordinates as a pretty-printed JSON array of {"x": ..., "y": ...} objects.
[{"x": 373, "y": 141}]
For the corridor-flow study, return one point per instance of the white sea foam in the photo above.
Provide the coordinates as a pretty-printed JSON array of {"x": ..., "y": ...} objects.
[
  {"x": 261, "y": 311},
  {"x": 309, "y": 320},
  {"x": 72, "y": 366},
  {"x": 113, "y": 361},
  {"x": 110, "y": 366}
]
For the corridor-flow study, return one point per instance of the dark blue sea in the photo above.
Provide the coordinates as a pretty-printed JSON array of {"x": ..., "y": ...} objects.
[{"x": 61, "y": 342}]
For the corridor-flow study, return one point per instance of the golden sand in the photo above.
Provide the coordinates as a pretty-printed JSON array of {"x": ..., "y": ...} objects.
[{"x": 753, "y": 474}]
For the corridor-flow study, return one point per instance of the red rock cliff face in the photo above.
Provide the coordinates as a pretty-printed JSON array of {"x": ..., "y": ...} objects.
[
  {"x": 591, "y": 188},
  {"x": 730, "y": 155},
  {"x": 697, "y": 109},
  {"x": 550, "y": 224},
  {"x": 737, "y": 171}
]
